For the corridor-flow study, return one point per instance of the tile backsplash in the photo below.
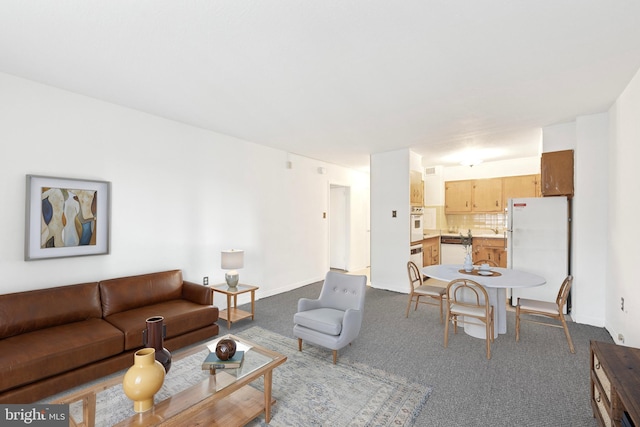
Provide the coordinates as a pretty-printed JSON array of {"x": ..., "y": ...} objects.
[
  {"x": 436, "y": 220},
  {"x": 458, "y": 223}
]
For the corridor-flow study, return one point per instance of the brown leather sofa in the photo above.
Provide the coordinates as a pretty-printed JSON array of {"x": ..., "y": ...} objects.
[{"x": 57, "y": 338}]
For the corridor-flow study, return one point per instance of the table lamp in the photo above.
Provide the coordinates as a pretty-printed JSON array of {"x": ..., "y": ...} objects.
[{"x": 230, "y": 260}]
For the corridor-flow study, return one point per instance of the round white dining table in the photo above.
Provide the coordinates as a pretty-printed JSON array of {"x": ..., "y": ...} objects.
[{"x": 496, "y": 287}]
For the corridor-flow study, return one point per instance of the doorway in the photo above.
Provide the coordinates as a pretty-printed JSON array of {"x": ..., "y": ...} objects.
[{"x": 339, "y": 242}]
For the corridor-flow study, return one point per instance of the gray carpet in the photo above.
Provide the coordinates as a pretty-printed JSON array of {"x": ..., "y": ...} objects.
[
  {"x": 535, "y": 382},
  {"x": 308, "y": 391}
]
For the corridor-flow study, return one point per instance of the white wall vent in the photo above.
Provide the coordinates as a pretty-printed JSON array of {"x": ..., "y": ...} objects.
[{"x": 430, "y": 171}]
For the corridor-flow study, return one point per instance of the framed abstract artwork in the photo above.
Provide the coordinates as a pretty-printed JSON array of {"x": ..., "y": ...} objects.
[{"x": 66, "y": 217}]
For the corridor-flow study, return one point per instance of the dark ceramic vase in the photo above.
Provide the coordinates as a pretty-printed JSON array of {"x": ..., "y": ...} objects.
[
  {"x": 225, "y": 349},
  {"x": 153, "y": 337}
]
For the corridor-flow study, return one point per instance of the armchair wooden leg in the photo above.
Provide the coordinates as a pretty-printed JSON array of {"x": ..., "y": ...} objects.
[
  {"x": 335, "y": 356},
  {"x": 299, "y": 344}
]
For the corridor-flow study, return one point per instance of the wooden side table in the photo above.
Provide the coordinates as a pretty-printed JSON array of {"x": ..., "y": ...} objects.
[{"x": 232, "y": 313}]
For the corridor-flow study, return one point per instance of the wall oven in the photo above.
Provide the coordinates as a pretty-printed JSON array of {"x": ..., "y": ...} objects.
[{"x": 417, "y": 233}]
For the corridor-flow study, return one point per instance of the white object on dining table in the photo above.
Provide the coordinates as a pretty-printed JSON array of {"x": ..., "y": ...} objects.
[{"x": 495, "y": 285}]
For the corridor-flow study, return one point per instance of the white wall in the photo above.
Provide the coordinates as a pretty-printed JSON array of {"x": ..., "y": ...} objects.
[
  {"x": 588, "y": 137},
  {"x": 513, "y": 167},
  {"x": 180, "y": 194},
  {"x": 623, "y": 205},
  {"x": 559, "y": 137},
  {"x": 390, "y": 241},
  {"x": 589, "y": 224}
]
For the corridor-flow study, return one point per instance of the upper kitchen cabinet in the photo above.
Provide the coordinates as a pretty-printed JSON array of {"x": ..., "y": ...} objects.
[
  {"x": 520, "y": 186},
  {"x": 417, "y": 188},
  {"x": 557, "y": 173},
  {"x": 486, "y": 195},
  {"x": 457, "y": 196}
]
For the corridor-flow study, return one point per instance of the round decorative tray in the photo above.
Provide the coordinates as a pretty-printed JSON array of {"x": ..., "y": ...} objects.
[{"x": 486, "y": 273}]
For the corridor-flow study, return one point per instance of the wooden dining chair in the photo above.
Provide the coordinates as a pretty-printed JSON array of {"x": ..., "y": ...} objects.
[
  {"x": 552, "y": 310},
  {"x": 468, "y": 300},
  {"x": 421, "y": 293},
  {"x": 485, "y": 261}
]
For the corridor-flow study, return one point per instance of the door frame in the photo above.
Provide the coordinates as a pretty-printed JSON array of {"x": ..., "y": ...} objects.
[{"x": 339, "y": 222}]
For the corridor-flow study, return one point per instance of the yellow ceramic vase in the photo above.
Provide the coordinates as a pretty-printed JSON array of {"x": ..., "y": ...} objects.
[{"x": 143, "y": 379}]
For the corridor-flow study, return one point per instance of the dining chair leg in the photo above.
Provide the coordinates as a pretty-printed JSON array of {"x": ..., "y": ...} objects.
[
  {"x": 409, "y": 305},
  {"x": 566, "y": 332},
  {"x": 518, "y": 322},
  {"x": 441, "y": 310},
  {"x": 493, "y": 326},
  {"x": 488, "y": 336},
  {"x": 446, "y": 330}
]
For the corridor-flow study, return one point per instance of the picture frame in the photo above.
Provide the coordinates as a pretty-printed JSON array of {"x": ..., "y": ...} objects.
[{"x": 66, "y": 217}]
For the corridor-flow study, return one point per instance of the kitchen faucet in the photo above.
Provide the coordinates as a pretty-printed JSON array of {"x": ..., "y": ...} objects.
[{"x": 495, "y": 230}]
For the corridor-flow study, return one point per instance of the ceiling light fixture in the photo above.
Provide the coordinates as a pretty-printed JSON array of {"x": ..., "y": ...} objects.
[{"x": 471, "y": 162}]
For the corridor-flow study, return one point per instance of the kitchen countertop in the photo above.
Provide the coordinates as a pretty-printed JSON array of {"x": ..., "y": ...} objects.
[
  {"x": 483, "y": 235},
  {"x": 430, "y": 235}
]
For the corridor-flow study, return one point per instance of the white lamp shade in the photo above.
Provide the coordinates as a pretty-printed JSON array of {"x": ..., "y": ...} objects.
[{"x": 232, "y": 259}]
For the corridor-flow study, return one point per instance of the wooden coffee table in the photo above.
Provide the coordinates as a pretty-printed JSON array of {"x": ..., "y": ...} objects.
[{"x": 223, "y": 399}]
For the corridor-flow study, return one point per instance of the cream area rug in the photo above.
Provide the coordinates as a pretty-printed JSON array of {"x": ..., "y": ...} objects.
[{"x": 309, "y": 389}]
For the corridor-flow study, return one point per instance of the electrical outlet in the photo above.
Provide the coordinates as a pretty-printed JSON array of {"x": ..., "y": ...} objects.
[
  {"x": 621, "y": 338},
  {"x": 622, "y": 304},
  {"x": 205, "y": 280}
]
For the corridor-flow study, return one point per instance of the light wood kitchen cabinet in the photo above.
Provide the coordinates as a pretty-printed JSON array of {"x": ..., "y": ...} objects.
[
  {"x": 492, "y": 249},
  {"x": 556, "y": 169},
  {"x": 486, "y": 195},
  {"x": 417, "y": 189},
  {"x": 520, "y": 186},
  {"x": 457, "y": 196},
  {"x": 431, "y": 251}
]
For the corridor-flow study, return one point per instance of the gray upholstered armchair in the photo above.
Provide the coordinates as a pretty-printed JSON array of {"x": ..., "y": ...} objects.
[{"x": 334, "y": 319}]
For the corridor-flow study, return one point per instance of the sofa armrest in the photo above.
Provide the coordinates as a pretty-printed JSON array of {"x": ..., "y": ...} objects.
[{"x": 197, "y": 293}]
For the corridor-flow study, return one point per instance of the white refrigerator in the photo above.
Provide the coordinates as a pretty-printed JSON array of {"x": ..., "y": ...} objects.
[{"x": 538, "y": 241}]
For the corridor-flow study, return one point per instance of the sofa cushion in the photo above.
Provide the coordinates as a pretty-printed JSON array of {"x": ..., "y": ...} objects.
[
  {"x": 28, "y": 311},
  {"x": 131, "y": 292},
  {"x": 44, "y": 353},
  {"x": 180, "y": 316}
]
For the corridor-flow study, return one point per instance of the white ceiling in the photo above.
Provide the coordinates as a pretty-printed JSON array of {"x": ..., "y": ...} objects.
[{"x": 337, "y": 80}]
